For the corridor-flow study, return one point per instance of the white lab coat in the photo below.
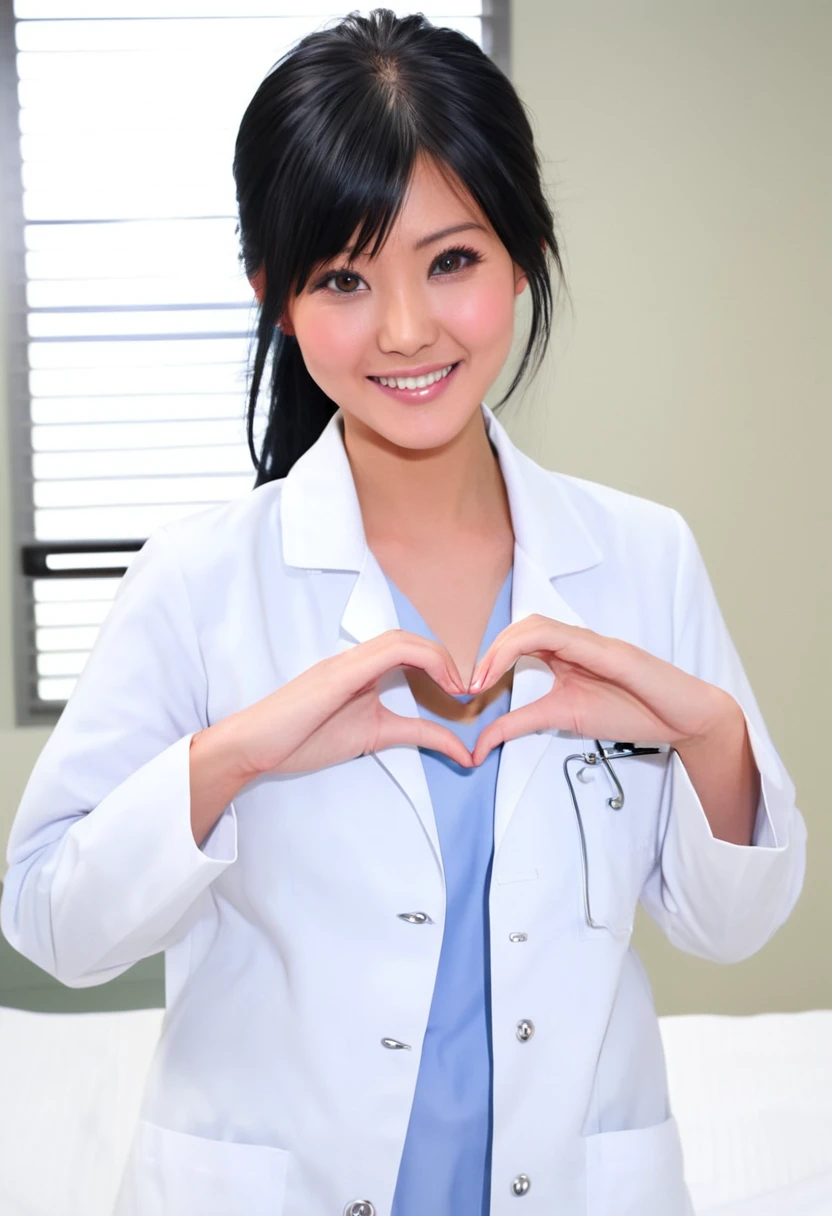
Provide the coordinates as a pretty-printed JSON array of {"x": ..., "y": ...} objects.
[{"x": 290, "y": 964}]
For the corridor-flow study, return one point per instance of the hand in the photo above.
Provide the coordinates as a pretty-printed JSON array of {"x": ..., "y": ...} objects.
[
  {"x": 332, "y": 711},
  {"x": 604, "y": 688}
]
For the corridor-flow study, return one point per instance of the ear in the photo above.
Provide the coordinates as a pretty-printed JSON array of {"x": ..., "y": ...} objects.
[
  {"x": 521, "y": 282},
  {"x": 258, "y": 282}
]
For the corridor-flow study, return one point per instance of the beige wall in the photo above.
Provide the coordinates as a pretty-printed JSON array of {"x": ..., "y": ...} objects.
[{"x": 687, "y": 146}]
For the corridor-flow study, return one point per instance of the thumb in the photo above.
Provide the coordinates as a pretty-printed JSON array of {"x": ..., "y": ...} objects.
[{"x": 421, "y": 732}]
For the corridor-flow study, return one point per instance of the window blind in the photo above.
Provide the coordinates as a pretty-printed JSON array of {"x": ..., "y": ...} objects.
[{"x": 130, "y": 310}]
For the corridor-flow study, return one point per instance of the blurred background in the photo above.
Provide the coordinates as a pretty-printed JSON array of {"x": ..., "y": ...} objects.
[{"x": 686, "y": 144}]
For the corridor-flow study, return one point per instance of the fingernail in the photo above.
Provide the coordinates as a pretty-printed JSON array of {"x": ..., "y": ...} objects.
[{"x": 476, "y": 683}]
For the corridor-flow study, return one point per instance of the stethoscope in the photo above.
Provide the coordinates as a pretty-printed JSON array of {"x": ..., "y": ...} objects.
[{"x": 618, "y": 751}]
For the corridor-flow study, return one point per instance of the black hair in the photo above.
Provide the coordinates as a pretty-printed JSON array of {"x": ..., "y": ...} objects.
[{"x": 328, "y": 143}]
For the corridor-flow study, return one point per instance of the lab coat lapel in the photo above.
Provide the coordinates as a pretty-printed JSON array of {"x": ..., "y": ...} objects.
[
  {"x": 322, "y": 529},
  {"x": 371, "y": 611},
  {"x": 531, "y": 593}
]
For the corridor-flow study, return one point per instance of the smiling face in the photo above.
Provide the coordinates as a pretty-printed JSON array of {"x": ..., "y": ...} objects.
[{"x": 419, "y": 304}]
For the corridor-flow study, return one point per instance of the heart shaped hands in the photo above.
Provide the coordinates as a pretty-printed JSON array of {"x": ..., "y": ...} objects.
[{"x": 604, "y": 688}]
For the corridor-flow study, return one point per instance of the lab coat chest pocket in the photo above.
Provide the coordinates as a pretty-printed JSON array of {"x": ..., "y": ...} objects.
[
  {"x": 620, "y": 844},
  {"x": 637, "y": 1172},
  {"x": 173, "y": 1173}
]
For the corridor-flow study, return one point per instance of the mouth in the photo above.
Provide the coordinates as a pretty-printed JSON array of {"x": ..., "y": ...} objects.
[{"x": 424, "y": 388}]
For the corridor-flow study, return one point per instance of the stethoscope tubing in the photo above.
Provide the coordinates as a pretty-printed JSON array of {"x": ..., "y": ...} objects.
[{"x": 618, "y": 751}]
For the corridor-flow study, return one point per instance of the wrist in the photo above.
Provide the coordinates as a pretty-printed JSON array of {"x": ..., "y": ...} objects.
[
  {"x": 724, "y": 719},
  {"x": 226, "y": 739}
]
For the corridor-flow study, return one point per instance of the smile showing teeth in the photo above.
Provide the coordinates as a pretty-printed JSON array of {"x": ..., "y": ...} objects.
[{"x": 413, "y": 381}]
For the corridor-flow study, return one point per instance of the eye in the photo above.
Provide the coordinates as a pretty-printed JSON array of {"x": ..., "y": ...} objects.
[
  {"x": 461, "y": 251},
  {"x": 338, "y": 274},
  {"x": 458, "y": 251}
]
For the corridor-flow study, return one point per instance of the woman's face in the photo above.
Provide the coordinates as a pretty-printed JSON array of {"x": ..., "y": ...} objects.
[{"x": 411, "y": 308}]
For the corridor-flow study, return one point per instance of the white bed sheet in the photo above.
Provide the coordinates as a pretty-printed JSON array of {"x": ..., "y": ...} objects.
[
  {"x": 753, "y": 1097},
  {"x": 72, "y": 1086}
]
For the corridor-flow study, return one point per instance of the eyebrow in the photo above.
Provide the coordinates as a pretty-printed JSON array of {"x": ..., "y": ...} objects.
[{"x": 437, "y": 236}]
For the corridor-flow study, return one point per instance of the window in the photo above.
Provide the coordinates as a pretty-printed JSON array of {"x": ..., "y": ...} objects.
[{"x": 129, "y": 311}]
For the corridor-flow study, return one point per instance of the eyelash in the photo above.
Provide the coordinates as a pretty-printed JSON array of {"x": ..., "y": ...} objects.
[{"x": 464, "y": 250}]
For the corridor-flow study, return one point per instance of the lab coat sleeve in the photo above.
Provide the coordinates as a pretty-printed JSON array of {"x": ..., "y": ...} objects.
[
  {"x": 103, "y": 867},
  {"x": 712, "y": 898}
]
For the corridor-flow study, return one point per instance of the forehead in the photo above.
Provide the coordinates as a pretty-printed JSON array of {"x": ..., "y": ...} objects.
[{"x": 436, "y": 205}]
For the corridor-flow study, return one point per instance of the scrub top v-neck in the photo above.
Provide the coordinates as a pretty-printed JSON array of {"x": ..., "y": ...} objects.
[{"x": 446, "y": 1162}]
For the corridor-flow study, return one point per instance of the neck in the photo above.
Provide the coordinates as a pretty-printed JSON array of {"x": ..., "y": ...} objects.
[{"x": 418, "y": 496}]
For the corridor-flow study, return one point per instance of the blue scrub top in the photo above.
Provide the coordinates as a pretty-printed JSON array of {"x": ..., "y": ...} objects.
[{"x": 446, "y": 1163}]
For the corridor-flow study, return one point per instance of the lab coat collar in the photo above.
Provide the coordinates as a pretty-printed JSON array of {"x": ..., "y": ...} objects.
[{"x": 322, "y": 530}]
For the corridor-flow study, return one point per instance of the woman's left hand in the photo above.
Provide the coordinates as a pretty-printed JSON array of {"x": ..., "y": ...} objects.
[{"x": 604, "y": 688}]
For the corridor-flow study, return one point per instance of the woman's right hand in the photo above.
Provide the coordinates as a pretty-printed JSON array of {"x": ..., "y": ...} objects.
[{"x": 332, "y": 711}]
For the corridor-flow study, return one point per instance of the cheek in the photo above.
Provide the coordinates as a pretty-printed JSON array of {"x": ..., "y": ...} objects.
[
  {"x": 480, "y": 319},
  {"x": 330, "y": 337}
]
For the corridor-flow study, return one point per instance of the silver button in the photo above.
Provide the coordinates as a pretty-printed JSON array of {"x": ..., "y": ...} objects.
[
  {"x": 518, "y": 937},
  {"x": 394, "y": 1044},
  {"x": 525, "y": 1030},
  {"x": 360, "y": 1207},
  {"x": 520, "y": 1185},
  {"x": 414, "y": 918}
]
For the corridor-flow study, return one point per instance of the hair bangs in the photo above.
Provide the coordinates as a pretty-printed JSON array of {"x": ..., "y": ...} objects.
[{"x": 356, "y": 187}]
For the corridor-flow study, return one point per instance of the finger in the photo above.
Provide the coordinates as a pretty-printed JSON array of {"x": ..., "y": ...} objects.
[
  {"x": 538, "y": 715},
  {"x": 433, "y": 658},
  {"x": 543, "y": 636},
  {"x": 514, "y": 630},
  {"x": 507, "y": 647},
  {"x": 360, "y": 668},
  {"x": 422, "y": 732}
]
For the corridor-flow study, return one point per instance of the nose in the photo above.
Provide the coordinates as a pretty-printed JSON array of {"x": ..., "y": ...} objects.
[{"x": 406, "y": 323}]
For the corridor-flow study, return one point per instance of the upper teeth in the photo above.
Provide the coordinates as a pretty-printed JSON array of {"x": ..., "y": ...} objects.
[{"x": 413, "y": 381}]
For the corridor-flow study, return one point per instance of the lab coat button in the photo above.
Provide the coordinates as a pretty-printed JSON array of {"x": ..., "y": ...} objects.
[
  {"x": 415, "y": 918},
  {"x": 360, "y": 1207},
  {"x": 394, "y": 1044},
  {"x": 525, "y": 1030},
  {"x": 520, "y": 1185},
  {"x": 518, "y": 937}
]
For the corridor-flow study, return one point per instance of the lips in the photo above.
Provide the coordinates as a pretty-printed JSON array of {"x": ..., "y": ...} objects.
[{"x": 419, "y": 396}]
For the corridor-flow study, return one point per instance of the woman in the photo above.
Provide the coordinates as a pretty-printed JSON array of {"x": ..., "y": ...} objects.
[{"x": 318, "y": 752}]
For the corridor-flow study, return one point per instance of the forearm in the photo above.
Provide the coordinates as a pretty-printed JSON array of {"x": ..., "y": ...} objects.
[
  {"x": 724, "y": 774},
  {"x": 216, "y": 775}
]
